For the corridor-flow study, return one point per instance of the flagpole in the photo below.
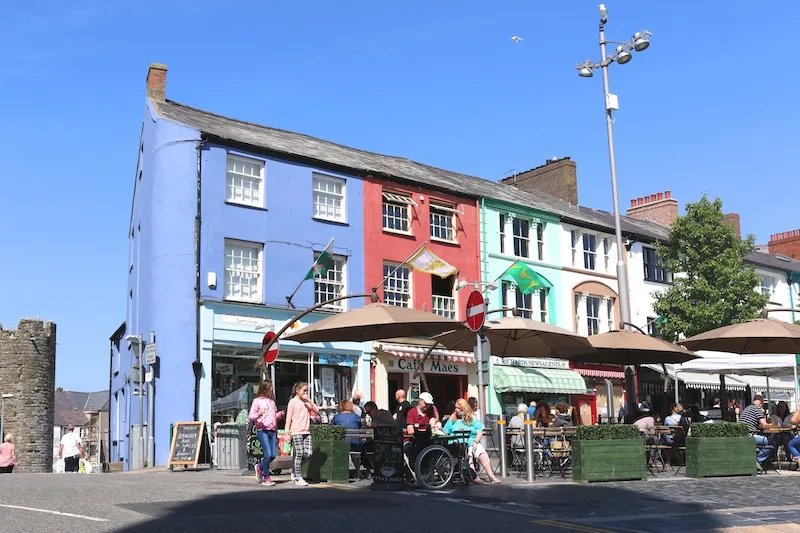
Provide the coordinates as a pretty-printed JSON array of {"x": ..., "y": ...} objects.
[
  {"x": 506, "y": 270},
  {"x": 289, "y": 298},
  {"x": 389, "y": 275}
]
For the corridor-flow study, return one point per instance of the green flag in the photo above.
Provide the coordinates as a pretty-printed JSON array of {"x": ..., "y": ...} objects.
[
  {"x": 526, "y": 279},
  {"x": 322, "y": 264}
]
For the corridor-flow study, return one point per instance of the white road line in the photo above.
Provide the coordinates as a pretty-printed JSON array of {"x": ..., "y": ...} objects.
[{"x": 59, "y": 513}]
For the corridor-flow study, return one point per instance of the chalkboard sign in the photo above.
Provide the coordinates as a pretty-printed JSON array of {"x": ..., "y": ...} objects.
[
  {"x": 389, "y": 460},
  {"x": 190, "y": 445}
]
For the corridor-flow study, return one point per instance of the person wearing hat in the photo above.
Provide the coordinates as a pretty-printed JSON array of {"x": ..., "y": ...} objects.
[
  {"x": 71, "y": 450},
  {"x": 423, "y": 415}
]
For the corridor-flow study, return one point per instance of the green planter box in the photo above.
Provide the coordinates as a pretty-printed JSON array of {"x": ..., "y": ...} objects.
[
  {"x": 329, "y": 461},
  {"x": 608, "y": 460},
  {"x": 720, "y": 456}
]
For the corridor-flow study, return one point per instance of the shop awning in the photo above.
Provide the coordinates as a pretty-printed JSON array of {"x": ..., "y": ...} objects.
[
  {"x": 696, "y": 380},
  {"x": 548, "y": 380},
  {"x": 418, "y": 352},
  {"x": 594, "y": 372}
]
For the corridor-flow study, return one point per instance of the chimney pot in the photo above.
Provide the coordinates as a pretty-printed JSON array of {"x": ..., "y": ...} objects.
[
  {"x": 668, "y": 194},
  {"x": 661, "y": 196},
  {"x": 639, "y": 201},
  {"x": 796, "y": 233},
  {"x": 633, "y": 202},
  {"x": 157, "y": 81},
  {"x": 653, "y": 197}
]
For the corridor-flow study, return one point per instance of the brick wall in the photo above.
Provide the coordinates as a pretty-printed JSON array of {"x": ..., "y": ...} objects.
[
  {"x": 786, "y": 243},
  {"x": 557, "y": 177},
  {"x": 660, "y": 208},
  {"x": 734, "y": 220},
  {"x": 28, "y": 371}
]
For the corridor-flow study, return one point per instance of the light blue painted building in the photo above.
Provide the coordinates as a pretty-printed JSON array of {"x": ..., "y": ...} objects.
[{"x": 221, "y": 232}]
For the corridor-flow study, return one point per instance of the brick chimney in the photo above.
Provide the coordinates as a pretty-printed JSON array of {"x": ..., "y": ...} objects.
[
  {"x": 557, "y": 177},
  {"x": 660, "y": 208},
  {"x": 157, "y": 81},
  {"x": 733, "y": 220},
  {"x": 786, "y": 243}
]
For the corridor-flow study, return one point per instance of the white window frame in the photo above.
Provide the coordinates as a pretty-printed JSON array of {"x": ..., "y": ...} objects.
[
  {"x": 541, "y": 304},
  {"x": 338, "y": 261},
  {"x": 590, "y": 319},
  {"x": 609, "y": 302},
  {"x": 316, "y": 178},
  {"x": 447, "y": 213},
  {"x": 391, "y": 274},
  {"x": 502, "y": 221},
  {"x": 229, "y": 198},
  {"x": 770, "y": 290},
  {"x": 607, "y": 253},
  {"x": 259, "y": 273},
  {"x": 519, "y": 238},
  {"x": 397, "y": 201},
  {"x": 659, "y": 264},
  {"x": 540, "y": 227},
  {"x": 589, "y": 252},
  {"x": 575, "y": 238}
]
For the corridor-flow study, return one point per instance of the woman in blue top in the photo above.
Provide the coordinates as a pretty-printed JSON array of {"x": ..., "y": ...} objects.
[
  {"x": 347, "y": 419},
  {"x": 462, "y": 420}
]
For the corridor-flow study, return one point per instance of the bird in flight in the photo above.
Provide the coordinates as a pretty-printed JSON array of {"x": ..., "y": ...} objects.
[{"x": 516, "y": 39}]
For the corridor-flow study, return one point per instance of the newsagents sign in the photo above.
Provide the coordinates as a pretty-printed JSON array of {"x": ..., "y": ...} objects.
[{"x": 530, "y": 362}]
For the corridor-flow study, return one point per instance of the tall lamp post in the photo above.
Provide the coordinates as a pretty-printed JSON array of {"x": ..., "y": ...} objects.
[
  {"x": 638, "y": 43},
  {"x": 3, "y": 415}
]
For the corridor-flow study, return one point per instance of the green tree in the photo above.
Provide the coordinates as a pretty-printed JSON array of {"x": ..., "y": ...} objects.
[{"x": 715, "y": 287}]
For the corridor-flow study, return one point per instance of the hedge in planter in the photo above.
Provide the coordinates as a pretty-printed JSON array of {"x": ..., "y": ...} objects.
[
  {"x": 330, "y": 455},
  {"x": 608, "y": 453},
  {"x": 721, "y": 449}
]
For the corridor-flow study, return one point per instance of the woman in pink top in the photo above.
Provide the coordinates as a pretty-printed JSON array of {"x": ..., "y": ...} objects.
[
  {"x": 8, "y": 455},
  {"x": 264, "y": 415},
  {"x": 298, "y": 425}
]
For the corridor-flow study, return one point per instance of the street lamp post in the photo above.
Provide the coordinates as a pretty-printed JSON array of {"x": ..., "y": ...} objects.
[
  {"x": 3, "y": 415},
  {"x": 638, "y": 43}
]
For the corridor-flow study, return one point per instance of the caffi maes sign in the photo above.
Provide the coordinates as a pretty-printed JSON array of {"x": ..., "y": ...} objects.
[
  {"x": 530, "y": 362},
  {"x": 432, "y": 366}
]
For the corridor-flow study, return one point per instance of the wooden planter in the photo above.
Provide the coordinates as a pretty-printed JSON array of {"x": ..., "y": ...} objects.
[
  {"x": 608, "y": 460},
  {"x": 723, "y": 456},
  {"x": 329, "y": 461}
]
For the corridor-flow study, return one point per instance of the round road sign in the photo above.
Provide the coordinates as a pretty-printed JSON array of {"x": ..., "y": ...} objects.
[
  {"x": 476, "y": 311},
  {"x": 271, "y": 354}
]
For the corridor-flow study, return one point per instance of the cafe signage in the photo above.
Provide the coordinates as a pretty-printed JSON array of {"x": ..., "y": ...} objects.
[{"x": 432, "y": 366}]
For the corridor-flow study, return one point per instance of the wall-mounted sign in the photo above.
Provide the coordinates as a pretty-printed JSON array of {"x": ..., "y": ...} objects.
[
  {"x": 265, "y": 323},
  {"x": 224, "y": 369},
  {"x": 530, "y": 362},
  {"x": 335, "y": 359},
  {"x": 432, "y": 366}
]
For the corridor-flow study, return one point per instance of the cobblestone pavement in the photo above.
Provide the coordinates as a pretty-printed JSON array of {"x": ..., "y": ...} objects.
[{"x": 212, "y": 501}]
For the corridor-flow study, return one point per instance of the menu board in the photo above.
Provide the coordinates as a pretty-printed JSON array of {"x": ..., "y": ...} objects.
[
  {"x": 389, "y": 460},
  {"x": 190, "y": 444}
]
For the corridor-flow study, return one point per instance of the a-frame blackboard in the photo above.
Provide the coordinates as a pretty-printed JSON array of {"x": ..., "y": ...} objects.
[{"x": 190, "y": 446}]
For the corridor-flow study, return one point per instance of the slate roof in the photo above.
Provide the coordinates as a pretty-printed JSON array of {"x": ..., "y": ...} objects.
[
  {"x": 70, "y": 406},
  {"x": 305, "y": 147}
]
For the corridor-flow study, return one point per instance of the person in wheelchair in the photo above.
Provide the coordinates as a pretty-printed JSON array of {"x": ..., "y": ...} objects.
[
  {"x": 463, "y": 422},
  {"x": 418, "y": 425}
]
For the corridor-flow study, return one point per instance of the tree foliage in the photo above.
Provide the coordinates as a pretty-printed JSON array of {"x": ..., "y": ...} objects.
[{"x": 713, "y": 287}]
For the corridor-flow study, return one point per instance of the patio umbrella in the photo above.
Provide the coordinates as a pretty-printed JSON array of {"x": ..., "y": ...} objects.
[
  {"x": 521, "y": 337},
  {"x": 632, "y": 348},
  {"x": 758, "y": 336},
  {"x": 374, "y": 322}
]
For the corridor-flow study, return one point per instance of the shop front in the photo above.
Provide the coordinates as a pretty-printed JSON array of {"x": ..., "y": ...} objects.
[
  {"x": 450, "y": 374},
  {"x": 231, "y": 337},
  {"x": 518, "y": 380},
  {"x": 605, "y": 381}
]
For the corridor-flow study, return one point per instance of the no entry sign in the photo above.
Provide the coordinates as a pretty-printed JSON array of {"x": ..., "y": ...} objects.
[
  {"x": 476, "y": 311},
  {"x": 271, "y": 354}
]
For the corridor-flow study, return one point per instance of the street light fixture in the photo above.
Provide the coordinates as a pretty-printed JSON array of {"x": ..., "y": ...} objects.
[{"x": 622, "y": 54}]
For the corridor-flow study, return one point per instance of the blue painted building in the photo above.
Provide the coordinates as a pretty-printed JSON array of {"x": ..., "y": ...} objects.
[{"x": 221, "y": 232}]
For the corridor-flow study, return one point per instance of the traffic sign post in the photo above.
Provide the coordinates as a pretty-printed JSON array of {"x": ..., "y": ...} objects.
[
  {"x": 269, "y": 351},
  {"x": 476, "y": 315},
  {"x": 150, "y": 353}
]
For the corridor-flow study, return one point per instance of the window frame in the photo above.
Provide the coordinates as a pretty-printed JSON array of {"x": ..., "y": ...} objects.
[
  {"x": 314, "y": 192},
  {"x": 261, "y": 183},
  {"x": 260, "y": 271},
  {"x": 771, "y": 293},
  {"x": 447, "y": 211},
  {"x": 393, "y": 269},
  {"x": 590, "y": 319},
  {"x": 649, "y": 269},
  {"x": 341, "y": 305},
  {"x": 502, "y": 233},
  {"x": 524, "y": 241},
  {"x": 540, "y": 227},
  {"x": 589, "y": 255},
  {"x": 396, "y": 200}
]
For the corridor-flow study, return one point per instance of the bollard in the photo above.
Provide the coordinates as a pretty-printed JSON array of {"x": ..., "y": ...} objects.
[
  {"x": 529, "y": 448},
  {"x": 501, "y": 428}
]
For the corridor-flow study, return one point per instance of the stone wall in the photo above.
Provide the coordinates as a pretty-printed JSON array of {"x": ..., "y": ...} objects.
[{"x": 28, "y": 371}]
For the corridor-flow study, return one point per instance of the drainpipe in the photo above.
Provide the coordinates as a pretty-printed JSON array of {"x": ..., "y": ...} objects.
[
  {"x": 610, "y": 401},
  {"x": 793, "y": 278},
  {"x": 197, "y": 365}
]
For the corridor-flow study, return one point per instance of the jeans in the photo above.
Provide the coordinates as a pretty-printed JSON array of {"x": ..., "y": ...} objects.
[
  {"x": 794, "y": 447},
  {"x": 268, "y": 440},
  {"x": 762, "y": 454}
]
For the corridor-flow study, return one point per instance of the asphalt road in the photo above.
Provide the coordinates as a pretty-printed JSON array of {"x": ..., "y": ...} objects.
[{"x": 208, "y": 501}]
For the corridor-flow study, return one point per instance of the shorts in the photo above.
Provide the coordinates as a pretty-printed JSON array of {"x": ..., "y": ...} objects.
[{"x": 477, "y": 450}]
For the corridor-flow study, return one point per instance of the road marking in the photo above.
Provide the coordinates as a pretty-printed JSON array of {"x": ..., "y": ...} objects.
[
  {"x": 59, "y": 513},
  {"x": 575, "y": 527}
]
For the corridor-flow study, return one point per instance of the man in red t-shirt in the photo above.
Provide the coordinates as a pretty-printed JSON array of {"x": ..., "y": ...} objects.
[{"x": 421, "y": 416}]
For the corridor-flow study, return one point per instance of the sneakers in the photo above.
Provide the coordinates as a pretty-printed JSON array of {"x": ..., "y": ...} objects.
[
  {"x": 300, "y": 482},
  {"x": 259, "y": 473},
  {"x": 268, "y": 482}
]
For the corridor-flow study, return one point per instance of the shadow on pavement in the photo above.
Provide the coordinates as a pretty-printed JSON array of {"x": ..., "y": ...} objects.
[{"x": 559, "y": 508}]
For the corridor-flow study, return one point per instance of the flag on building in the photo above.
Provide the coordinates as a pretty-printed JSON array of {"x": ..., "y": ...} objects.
[
  {"x": 526, "y": 279},
  {"x": 426, "y": 261},
  {"x": 322, "y": 264}
]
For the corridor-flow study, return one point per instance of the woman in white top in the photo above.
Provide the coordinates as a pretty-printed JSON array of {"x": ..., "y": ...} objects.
[
  {"x": 782, "y": 417},
  {"x": 517, "y": 422}
]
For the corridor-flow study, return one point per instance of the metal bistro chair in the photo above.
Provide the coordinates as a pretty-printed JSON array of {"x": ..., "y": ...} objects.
[
  {"x": 518, "y": 451},
  {"x": 560, "y": 450}
]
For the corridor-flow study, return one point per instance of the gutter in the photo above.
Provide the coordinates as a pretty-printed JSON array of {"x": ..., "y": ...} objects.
[{"x": 197, "y": 364}]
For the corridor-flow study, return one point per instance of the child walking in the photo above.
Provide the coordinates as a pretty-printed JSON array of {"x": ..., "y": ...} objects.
[
  {"x": 298, "y": 425},
  {"x": 264, "y": 415}
]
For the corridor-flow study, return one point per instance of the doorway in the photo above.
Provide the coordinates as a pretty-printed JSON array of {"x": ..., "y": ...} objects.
[
  {"x": 396, "y": 382},
  {"x": 445, "y": 389}
]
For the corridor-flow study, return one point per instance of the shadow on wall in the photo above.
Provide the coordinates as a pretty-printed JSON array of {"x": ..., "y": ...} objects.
[{"x": 559, "y": 508}]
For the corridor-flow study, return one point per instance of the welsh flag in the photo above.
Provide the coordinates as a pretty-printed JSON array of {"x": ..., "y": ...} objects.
[{"x": 322, "y": 264}]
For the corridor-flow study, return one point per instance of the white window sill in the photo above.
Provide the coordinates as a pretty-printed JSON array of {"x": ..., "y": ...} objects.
[
  {"x": 398, "y": 232},
  {"x": 444, "y": 241},
  {"x": 330, "y": 220},
  {"x": 241, "y": 300},
  {"x": 243, "y": 204}
]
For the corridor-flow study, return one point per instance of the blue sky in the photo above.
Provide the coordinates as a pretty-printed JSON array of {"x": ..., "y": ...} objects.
[{"x": 711, "y": 107}]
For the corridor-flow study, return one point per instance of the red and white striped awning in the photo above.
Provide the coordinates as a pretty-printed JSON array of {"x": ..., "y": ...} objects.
[
  {"x": 594, "y": 372},
  {"x": 418, "y": 352}
]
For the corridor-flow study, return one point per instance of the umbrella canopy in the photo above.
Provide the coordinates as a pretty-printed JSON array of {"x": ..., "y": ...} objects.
[
  {"x": 632, "y": 348},
  {"x": 521, "y": 337},
  {"x": 374, "y": 322},
  {"x": 758, "y": 336},
  {"x": 768, "y": 365}
]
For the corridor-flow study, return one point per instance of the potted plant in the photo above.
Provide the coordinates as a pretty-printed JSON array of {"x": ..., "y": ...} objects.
[
  {"x": 330, "y": 455},
  {"x": 608, "y": 453},
  {"x": 722, "y": 449}
]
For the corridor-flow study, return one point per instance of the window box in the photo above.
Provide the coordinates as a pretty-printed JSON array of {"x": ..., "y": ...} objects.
[
  {"x": 608, "y": 453},
  {"x": 723, "y": 449}
]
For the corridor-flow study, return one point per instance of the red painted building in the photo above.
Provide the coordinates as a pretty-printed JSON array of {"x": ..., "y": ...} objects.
[{"x": 398, "y": 220}]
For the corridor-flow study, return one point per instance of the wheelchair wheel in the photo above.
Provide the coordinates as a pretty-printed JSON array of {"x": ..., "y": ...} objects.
[{"x": 434, "y": 467}]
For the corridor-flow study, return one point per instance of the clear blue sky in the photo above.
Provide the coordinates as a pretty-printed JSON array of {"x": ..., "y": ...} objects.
[{"x": 711, "y": 106}]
